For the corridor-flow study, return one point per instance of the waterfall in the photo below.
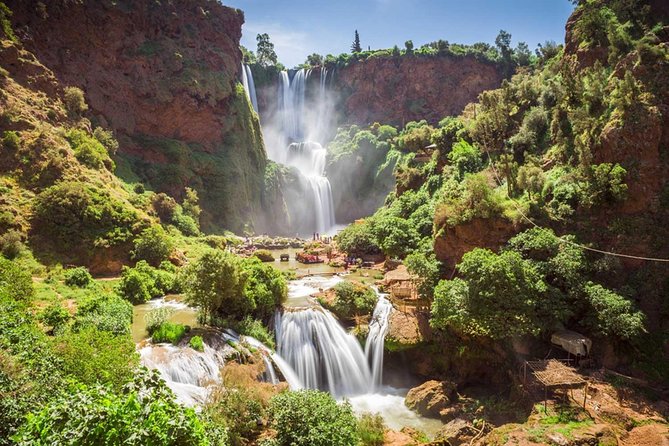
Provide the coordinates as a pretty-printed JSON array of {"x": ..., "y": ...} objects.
[
  {"x": 249, "y": 86},
  {"x": 378, "y": 327},
  {"x": 307, "y": 156},
  {"x": 324, "y": 356}
]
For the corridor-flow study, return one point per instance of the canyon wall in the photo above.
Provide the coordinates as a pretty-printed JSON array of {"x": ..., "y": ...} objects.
[
  {"x": 410, "y": 88},
  {"x": 163, "y": 75}
]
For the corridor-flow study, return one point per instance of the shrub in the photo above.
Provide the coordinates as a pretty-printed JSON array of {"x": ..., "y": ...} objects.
[
  {"x": 157, "y": 317},
  {"x": 75, "y": 104},
  {"x": 106, "y": 138},
  {"x": 89, "y": 150},
  {"x": 153, "y": 245},
  {"x": 353, "y": 299},
  {"x": 79, "y": 277},
  {"x": 371, "y": 430},
  {"x": 169, "y": 332},
  {"x": 396, "y": 236},
  {"x": 11, "y": 244},
  {"x": 264, "y": 255},
  {"x": 612, "y": 314},
  {"x": 15, "y": 282},
  {"x": 165, "y": 206},
  {"x": 107, "y": 312},
  {"x": 196, "y": 343},
  {"x": 72, "y": 215},
  {"x": 135, "y": 286},
  {"x": 255, "y": 329},
  {"x": 312, "y": 418},
  {"x": 465, "y": 158},
  {"x": 240, "y": 409},
  {"x": 138, "y": 188},
  {"x": 144, "y": 412},
  {"x": 11, "y": 141},
  {"x": 185, "y": 224},
  {"x": 97, "y": 357},
  {"x": 54, "y": 316}
]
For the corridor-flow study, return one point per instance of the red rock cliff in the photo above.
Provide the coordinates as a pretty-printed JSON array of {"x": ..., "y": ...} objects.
[
  {"x": 163, "y": 75},
  {"x": 399, "y": 90}
]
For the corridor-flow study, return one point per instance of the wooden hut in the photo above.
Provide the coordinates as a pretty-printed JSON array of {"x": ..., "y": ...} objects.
[{"x": 401, "y": 284}]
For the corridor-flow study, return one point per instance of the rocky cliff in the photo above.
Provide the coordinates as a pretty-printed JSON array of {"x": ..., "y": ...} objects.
[
  {"x": 410, "y": 88},
  {"x": 163, "y": 75}
]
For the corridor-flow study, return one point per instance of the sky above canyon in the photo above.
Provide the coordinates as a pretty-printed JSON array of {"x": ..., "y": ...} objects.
[{"x": 302, "y": 27}]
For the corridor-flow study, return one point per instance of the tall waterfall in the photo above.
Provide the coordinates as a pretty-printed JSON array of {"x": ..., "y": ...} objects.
[
  {"x": 249, "y": 86},
  {"x": 307, "y": 156},
  {"x": 324, "y": 356}
]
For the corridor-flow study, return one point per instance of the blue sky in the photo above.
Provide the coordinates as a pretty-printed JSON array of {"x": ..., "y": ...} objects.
[{"x": 301, "y": 27}]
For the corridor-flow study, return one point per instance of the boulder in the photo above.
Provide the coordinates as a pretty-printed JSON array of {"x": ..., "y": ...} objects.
[
  {"x": 457, "y": 432},
  {"x": 431, "y": 398}
]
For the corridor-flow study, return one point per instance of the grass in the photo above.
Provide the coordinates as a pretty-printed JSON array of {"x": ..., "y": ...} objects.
[{"x": 169, "y": 332}]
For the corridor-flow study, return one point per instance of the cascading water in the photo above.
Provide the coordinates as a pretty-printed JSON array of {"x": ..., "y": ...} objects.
[
  {"x": 324, "y": 356},
  {"x": 307, "y": 156},
  {"x": 378, "y": 327},
  {"x": 249, "y": 86}
]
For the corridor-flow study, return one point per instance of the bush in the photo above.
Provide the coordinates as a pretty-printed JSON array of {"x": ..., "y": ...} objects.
[
  {"x": 89, "y": 150},
  {"x": 371, "y": 430},
  {"x": 186, "y": 224},
  {"x": 353, "y": 299},
  {"x": 165, "y": 206},
  {"x": 135, "y": 286},
  {"x": 145, "y": 412},
  {"x": 75, "y": 215},
  {"x": 11, "y": 141},
  {"x": 240, "y": 410},
  {"x": 54, "y": 316},
  {"x": 255, "y": 329},
  {"x": 396, "y": 236},
  {"x": 11, "y": 244},
  {"x": 157, "y": 317},
  {"x": 465, "y": 158},
  {"x": 107, "y": 312},
  {"x": 612, "y": 314},
  {"x": 153, "y": 245},
  {"x": 15, "y": 282},
  {"x": 79, "y": 277},
  {"x": 75, "y": 104},
  {"x": 97, "y": 357},
  {"x": 196, "y": 343},
  {"x": 264, "y": 255},
  {"x": 169, "y": 332},
  {"x": 312, "y": 418},
  {"x": 106, "y": 138}
]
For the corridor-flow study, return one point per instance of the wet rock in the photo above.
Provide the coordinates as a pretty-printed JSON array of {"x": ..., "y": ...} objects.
[{"x": 431, "y": 398}]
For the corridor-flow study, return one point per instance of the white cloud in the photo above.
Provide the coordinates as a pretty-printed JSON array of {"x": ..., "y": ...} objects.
[{"x": 290, "y": 45}]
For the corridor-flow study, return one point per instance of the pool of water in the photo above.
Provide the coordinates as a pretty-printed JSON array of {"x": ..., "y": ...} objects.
[{"x": 181, "y": 313}]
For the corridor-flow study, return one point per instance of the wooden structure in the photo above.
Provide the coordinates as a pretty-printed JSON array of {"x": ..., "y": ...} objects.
[
  {"x": 554, "y": 374},
  {"x": 401, "y": 284},
  {"x": 284, "y": 257}
]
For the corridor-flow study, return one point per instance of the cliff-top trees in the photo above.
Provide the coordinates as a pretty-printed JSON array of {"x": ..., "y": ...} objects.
[
  {"x": 356, "y": 48},
  {"x": 265, "y": 54}
]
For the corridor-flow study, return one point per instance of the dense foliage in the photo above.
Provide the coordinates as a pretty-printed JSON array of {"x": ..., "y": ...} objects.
[
  {"x": 223, "y": 285},
  {"x": 312, "y": 418},
  {"x": 352, "y": 299}
]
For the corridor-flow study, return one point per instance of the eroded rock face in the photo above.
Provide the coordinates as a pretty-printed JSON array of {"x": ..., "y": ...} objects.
[
  {"x": 163, "y": 76},
  {"x": 398, "y": 90},
  {"x": 432, "y": 398},
  {"x": 453, "y": 242}
]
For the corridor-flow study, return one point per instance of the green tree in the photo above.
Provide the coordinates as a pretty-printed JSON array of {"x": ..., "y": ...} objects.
[
  {"x": 465, "y": 158},
  {"x": 314, "y": 60},
  {"x": 216, "y": 285},
  {"x": 408, "y": 45},
  {"x": 265, "y": 53},
  {"x": 497, "y": 296},
  {"x": 353, "y": 299},
  {"x": 612, "y": 314},
  {"x": 191, "y": 205},
  {"x": 15, "y": 282},
  {"x": 503, "y": 42},
  {"x": 153, "y": 245},
  {"x": 312, "y": 418},
  {"x": 355, "y": 47},
  {"x": 75, "y": 104},
  {"x": 531, "y": 179},
  {"x": 358, "y": 239},
  {"x": 523, "y": 55},
  {"x": 396, "y": 236}
]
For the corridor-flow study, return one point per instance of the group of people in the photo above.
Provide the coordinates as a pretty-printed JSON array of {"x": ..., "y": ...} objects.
[{"x": 326, "y": 239}]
